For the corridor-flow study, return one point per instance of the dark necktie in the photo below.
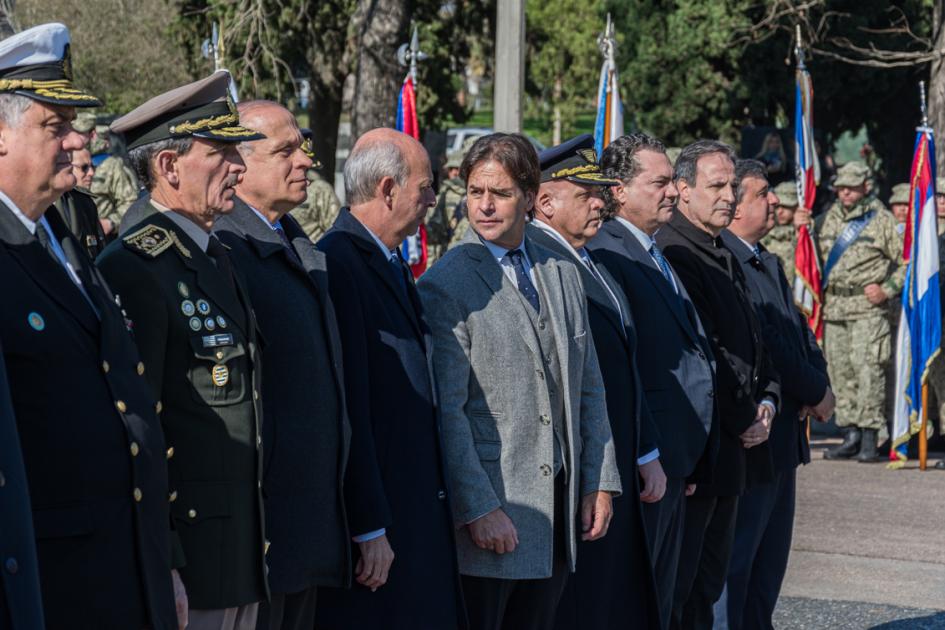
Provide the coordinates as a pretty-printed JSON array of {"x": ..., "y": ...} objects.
[
  {"x": 525, "y": 286},
  {"x": 398, "y": 270},
  {"x": 43, "y": 237},
  {"x": 288, "y": 246},
  {"x": 662, "y": 264},
  {"x": 218, "y": 254}
]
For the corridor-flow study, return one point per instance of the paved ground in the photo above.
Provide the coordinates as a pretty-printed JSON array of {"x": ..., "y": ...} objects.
[{"x": 869, "y": 548}]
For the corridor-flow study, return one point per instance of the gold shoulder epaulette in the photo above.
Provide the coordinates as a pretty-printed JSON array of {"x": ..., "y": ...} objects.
[{"x": 153, "y": 241}]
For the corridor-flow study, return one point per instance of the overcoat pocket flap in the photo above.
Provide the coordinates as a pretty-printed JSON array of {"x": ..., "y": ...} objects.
[{"x": 196, "y": 503}]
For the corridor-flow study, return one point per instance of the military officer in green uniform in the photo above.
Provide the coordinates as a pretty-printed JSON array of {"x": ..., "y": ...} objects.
[
  {"x": 196, "y": 331},
  {"x": 442, "y": 219},
  {"x": 782, "y": 239},
  {"x": 318, "y": 212},
  {"x": 861, "y": 260}
]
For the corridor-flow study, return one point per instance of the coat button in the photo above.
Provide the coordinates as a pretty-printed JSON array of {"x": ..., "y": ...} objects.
[
  {"x": 545, "y": 470},
  {"x": 258, "y": 441},
  {"x": 11, "y": 566},
  {"x": 545, "y": 420},
  {"x": 192, "y": 513},
  {"x": 541, "y": 374},
  {"x": 3, "y": 480},
  {"x": 137, "y": 495},
  {"x": 121, "y": 406},
  {"x": 702, "y": 356},
  {"x": 158, "y": 407},
  {"x": 441, "y": 495},
  {"x": 255, "y": 395},
  {"x": 140, "y": 368},
  {"x": 134, "y": 449},
  {"x": 106, "y": 367},
  {"x": 711, "y": 393},
  {"x": 170, "y": 452},
  {"x": 172, "y": 497},
  {"x": 541, "y": 324},
  {"x": 219, "y": 355}
]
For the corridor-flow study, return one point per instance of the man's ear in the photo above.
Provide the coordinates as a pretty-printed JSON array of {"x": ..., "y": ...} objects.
[
  {"x": 619, "y": 193},
  {"x": 166, "y": 166},
  {"x": 685, "y": 192},
  {"x": 386, "y": 188},
  {"x": 544, "y": 203},
  {"x": 6, "y": 133}
]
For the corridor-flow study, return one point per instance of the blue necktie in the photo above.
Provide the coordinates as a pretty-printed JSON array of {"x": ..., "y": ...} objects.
[
  {"x": 525, "y": 286},
  {"x": 398, "y": 270},
  {"x": 662, "y": 264}
]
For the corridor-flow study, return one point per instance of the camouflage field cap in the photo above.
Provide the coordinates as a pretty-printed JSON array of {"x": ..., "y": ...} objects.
[
  {"x": 202, "y": 109},
  {"x": 787, "y": 194},
  {"x": 84, "y": 122},
  {"x": 900, "y": 193},
  {"x": 852, "y": 174},
  {"x": 940, "y": 185},
  {"x": 37, "y": 63},
  {"x": 454, "y": 159}
]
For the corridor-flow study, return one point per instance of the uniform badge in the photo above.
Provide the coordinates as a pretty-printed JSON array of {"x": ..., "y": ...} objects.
[
  {"x": 183, "y": 290},
  {"x": 221, "y": 375},
  {"x": 209, "y": 324},
  {"x": 187, "y": 308},
  {"x": 36, "y": 321},
  {"x": 221, "y": 322},
  {"x": 203, "y": 307},
  {"x": 195, "y": 324}
]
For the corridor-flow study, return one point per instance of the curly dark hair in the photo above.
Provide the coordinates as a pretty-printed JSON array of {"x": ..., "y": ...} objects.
[{"x": 619, "y": 161}]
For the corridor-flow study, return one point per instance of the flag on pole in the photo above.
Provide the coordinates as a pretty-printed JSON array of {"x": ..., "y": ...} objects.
[
  {"x": 808, "y": 292},
  {"x": 920, "y": 325},
  {"x": 609, "y": 124},
  {"x": 414, "y": 248}
]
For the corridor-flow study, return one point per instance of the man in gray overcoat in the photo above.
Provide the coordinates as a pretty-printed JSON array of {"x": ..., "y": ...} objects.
[{"x": 527, "y": 440}]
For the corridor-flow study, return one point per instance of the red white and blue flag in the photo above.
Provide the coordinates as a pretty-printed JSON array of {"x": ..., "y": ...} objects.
[
  {"x": 414, "y": 249},
  {"x": 808, "y": 290},
  {"x": 920, "y": 326},
  {"x": 609, "y": 124}
]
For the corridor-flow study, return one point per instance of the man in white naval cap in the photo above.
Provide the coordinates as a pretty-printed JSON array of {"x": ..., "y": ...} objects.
[{"x": 92, "y": 445}]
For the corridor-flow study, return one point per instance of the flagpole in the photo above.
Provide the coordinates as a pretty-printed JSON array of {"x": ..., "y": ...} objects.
[{"x": 923, "y": 435}]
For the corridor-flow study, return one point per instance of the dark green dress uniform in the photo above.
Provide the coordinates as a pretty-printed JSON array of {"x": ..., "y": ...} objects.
[
  {"x": 91, "y": 442},
  {"x": 77, "y": 209},
  {"x": 196, "y": 332}
]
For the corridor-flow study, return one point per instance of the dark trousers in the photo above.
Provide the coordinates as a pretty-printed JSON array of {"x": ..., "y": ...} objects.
[
  {"x": 498, "y": 604},
  {"x": 760, "y": 555},
  {"x": 707, "y": 545},
  {"x": 664, "y": 531},
  {"x": 288, "y": 611}
]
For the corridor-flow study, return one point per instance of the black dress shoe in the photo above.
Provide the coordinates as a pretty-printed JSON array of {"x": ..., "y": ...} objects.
[
  {"x": 868, "y": 453},
  {"x": 850, "y": 446}
]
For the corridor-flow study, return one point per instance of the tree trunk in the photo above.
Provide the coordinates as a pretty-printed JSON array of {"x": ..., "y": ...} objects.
[
  {"x": 556, "y": 99},
  {"x": 381, "y": 27},
  {"x": 324, "y": 114},
  {"x": 7, "y": 22},
  {"x": 937, "y": 80}
]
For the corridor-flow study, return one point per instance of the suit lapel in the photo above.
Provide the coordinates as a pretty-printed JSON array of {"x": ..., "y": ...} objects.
[
  {"x": 50, "y": 276},
  {"x": 623, "y": 326}
]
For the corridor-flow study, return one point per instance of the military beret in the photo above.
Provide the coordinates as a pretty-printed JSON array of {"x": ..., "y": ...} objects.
[
  {"x": 202, "y": 109},
  {"x": 900, "y": 193},
  {"x": 307, "y": 147},
  {"x": 787, "y": 194},
  {"x": 574, "y": 160},
  {"x": 852, "y": 174},
  {"x": 37, "y": 63},
  {"x": 939, "y": 185}
]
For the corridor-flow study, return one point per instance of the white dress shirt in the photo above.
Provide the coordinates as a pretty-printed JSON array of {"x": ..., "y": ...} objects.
[{"x": 647, "y": 242}]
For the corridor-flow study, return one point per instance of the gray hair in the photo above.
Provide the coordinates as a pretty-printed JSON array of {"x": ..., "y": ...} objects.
[
  {"x": 745, "y": 169},
  {"x": 140, "y": 157},
  {"x": 12, "y": 108},
  {"x": 368, "y": 164},
  {"x": 690, "y": 155}
]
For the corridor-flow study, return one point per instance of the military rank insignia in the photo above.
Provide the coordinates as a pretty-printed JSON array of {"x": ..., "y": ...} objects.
[{"x": 152, "y": 241}]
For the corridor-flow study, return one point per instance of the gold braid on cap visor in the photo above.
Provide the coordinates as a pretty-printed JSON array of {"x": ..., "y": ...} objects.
[
  {"x": 577, "y": 170},
  {"x": 215, "y": 124},
  {"x": 58, "y": 88}
]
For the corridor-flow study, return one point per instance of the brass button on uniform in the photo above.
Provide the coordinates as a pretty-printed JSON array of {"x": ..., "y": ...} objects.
[
  {"x": 134, "y": 449},
  {"x": 121, "y": 406},
  {"x": 138, "y": 495},
  {"x": 170, "y": 452},
  {"x": 219, "y": 355},
  {"x": 106, "y": 367},
  {"x": 140, "y": 368},
  {"x": 172, "y": 497},
  {"x": 192, "y": 513}
]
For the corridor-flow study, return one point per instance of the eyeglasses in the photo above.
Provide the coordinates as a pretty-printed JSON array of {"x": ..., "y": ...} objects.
[{"x": 84, "y": 168}]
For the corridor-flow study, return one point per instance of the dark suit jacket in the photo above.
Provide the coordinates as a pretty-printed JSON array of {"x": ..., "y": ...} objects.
[
  {"x": 21, "y": 605},
  {"x": 91, "y": 441},
  {"x": 743, "y": 371},
  {"x": 395, "y": 476},
  {"x": 678, "y": 366},
  {"x": 614, "y": 581},
  {"x": 77, "y": 209},
  {"x": 208, "y": 381},
  {"x": 792, "y": 347},
  {"x": 306, "y": 434}
]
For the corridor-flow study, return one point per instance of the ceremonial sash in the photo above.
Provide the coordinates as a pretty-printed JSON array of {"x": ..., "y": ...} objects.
[{"x": 849, "y": 234}]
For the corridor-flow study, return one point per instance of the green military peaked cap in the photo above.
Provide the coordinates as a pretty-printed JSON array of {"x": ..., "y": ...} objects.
[
  {"x": 201, "y": 109},
  {"x": 37, "y": 63}
]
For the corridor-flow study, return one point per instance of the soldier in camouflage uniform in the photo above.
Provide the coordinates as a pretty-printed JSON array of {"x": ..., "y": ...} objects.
[
  {"x": 857, "y": 336},
  {"x": 321, "y": 206},
  {"x": 441, "y": 219},
  {"x": 899, "y": 205},
  {"x": 782, "y": 239},
  {"x": 115, "y": 188}
]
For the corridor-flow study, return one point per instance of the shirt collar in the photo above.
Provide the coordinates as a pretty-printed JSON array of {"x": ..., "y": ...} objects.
[
  {"x": 27, "y": 222},
  {"x": 645, "y": 239},
  {"x": 191, "y": 229},
  {"x": 387, "y": 252},
  {"x": 580, "y": 254},
  {"x": 272, "y": 226},
  {"x": 499, "y": 252}
]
